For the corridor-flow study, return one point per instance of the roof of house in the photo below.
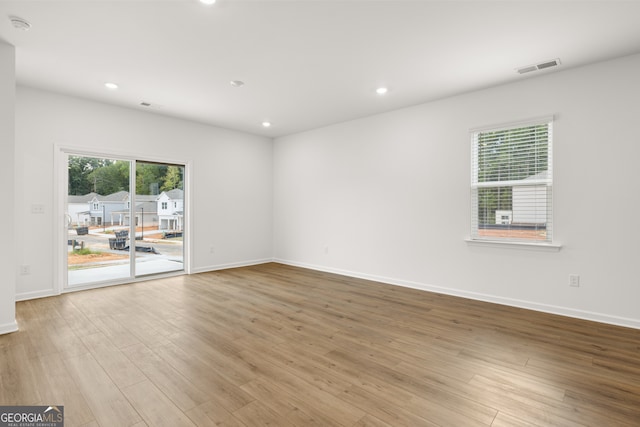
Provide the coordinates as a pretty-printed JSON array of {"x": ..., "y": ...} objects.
[
  {"x": 118, "y": 196},
  {"x": 175, "y": 194},
  {"x": 540, "y": 175},
  {"x": 122, "y": 196},
  {"x": 146, "y": 198},
  {"x": 82, "y": 199},
  {"x": 149, "y": 207}
]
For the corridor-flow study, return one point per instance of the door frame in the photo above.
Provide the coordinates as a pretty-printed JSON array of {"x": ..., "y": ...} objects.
[{"x": 60, "y": 190}]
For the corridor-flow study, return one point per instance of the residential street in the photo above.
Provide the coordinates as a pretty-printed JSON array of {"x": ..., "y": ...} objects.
[{"x": 99, "y": 241}]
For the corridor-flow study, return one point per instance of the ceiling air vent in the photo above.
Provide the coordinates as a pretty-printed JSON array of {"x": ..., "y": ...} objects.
[{"x": 541, "y": 66}]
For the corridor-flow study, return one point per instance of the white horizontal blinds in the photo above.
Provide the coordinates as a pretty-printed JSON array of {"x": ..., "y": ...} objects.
[{"x": 512, "y": 182}]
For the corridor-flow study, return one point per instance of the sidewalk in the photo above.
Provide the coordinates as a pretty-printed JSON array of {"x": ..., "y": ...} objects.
[{"x": 144, "y": 266}]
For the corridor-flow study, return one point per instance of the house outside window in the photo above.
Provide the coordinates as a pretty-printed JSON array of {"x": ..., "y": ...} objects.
[
  {"x": 512, "y": 182},
  {"x": 164, "y": 206}
]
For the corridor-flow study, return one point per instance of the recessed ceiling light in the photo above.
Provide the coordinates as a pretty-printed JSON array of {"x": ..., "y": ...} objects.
[
  {"x": 19, "y": 23},
  {"x": 382, "y": 90},
  {"x": 266, "y": 124},
  {"x": 208, "y": 2},
  {"x": 111, "y": 86},
  {"x": 236, "y": 83}
]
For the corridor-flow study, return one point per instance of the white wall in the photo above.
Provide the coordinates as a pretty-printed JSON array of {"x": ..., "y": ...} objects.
[
  {"x": 231, "y": 178},
  {"x": 7, "y": 213},
  {"x": 367, "y": 197}
]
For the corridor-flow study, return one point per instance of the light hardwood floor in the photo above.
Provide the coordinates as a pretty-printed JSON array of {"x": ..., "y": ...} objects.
[{"x": 283, "y": 346}]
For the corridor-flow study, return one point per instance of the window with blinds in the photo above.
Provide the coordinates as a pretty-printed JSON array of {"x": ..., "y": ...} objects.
[{"x": 512, "y": 182}]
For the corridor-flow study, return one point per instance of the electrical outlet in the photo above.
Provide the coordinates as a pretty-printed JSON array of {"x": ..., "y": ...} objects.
[
  {"x": 37, "y": 209},
  {"x": 25, "y": 269},
  {"x": 212, "y": 250},
  {"x": 326, "y": 250},
  {"x": 574, "y": 280}
]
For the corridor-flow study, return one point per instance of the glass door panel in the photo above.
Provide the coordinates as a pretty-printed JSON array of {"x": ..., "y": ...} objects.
[
  {"x": 98, "y": 217},
  {"x": 159, "y": 216}
]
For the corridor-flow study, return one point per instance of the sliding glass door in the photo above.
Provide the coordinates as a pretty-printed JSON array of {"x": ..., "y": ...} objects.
[
  {"x": 124, "y": 219},
  {"x": 159, "y": 218}
]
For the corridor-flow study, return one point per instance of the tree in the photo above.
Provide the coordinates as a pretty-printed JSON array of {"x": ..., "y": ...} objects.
[
  {"x": 111, "y": 177},
  {"x": 173, "y": 178},
  {"x": 105, "y": 176},
  {"x": 149, "y": 177},
  {"x": 79, "y": 170}
]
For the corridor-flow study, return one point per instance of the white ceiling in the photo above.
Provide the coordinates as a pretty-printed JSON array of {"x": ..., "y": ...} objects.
[{"x": 306, "y": 63}]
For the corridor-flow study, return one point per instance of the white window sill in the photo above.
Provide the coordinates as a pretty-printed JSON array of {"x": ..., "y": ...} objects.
[{"x": 551, "y": 247}]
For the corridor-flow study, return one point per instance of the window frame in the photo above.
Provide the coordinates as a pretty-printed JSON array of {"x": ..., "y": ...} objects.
[{"x": 476, "y": 184}]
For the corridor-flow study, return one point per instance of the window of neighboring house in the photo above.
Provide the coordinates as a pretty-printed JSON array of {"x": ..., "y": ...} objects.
[
  {"x": 164, "y": 205},
  {"x": 175, "y": 204},
  {"x": 511, "y": 171},
  {"x": 96, "y": 206}
]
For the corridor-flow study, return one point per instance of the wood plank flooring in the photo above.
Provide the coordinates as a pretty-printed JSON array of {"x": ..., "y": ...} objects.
[{"x": 273, "y": 345}]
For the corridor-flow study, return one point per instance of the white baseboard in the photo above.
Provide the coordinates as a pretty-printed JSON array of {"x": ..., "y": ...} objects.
[
  {"x": 7, "y": 328},
  {"x": 545, "y": 308},
  {"x": 230, "y": 265},
  {"x": 35, "y": 294}
]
